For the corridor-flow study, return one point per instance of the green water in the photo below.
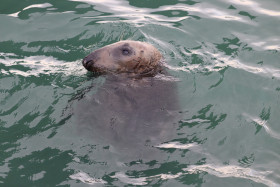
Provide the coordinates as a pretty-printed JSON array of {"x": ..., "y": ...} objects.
[{"x": 223, "y": 56}]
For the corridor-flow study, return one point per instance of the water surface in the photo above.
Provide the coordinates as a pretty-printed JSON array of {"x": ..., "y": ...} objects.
[{"x": 223, "y": 56}]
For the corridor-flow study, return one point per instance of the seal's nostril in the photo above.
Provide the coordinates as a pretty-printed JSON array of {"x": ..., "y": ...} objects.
[{"x": 87, "y": 63}]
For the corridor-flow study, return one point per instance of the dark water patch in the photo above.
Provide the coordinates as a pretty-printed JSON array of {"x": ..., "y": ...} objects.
[
  {"x": 35, "y": 168},
  {"x": 9, "y": 6},
  {"x": 148, "y": 4},
  {"x": 247, "y": 161},
  {"x": 243, "y": 13},
  {"x": 232, "y": 7}
]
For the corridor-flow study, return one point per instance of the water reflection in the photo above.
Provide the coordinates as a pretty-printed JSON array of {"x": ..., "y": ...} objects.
[
  {"x": 44, "y": 5},
  {"x": 162, "y": 14},
  {"x": 219, "y": 170},
  {"x": 126, "y": 179},
  {"x": 233, "y": 171},
  {"x": 265, "y": 43},
  {"x": 257, "y": 7},
  {"x": 85, "y": 178},
  {"x": 262, "y": 123},
  {"x": 176, "y": 145},
  {"x": 38, "y": 65},
  {"x": 215, "y": 61}
]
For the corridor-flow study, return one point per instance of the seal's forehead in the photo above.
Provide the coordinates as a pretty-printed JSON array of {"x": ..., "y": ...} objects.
[
  {"x": 126, "y": 46},
  {"x": 121, "y": 44},
  {"x": 130, "y": 43},
  {"x": 129, "y": 48},
  {"x": 136, "y": 45}
]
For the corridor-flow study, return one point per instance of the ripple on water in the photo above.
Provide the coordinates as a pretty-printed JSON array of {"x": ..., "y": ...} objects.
[
  {"x": 156, "y": 15},
  {"x": 210, "y": 59},
  {"x": 85, "y": 178},
  {"x": 234, "y": 171},
  {"x": 262, "y": 123},
  {"x": 257, "y": 7},
  {"x": 38, "y": 65}
]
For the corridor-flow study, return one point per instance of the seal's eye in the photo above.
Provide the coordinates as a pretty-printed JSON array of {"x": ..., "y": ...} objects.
[{"x": 125, "y": 52}]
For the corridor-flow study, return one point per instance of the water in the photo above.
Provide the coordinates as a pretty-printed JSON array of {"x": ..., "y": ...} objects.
[{"x": 223, "y": 57}]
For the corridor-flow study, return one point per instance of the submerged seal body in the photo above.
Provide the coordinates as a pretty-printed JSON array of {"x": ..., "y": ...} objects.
[{"x": 130, "y": 57}]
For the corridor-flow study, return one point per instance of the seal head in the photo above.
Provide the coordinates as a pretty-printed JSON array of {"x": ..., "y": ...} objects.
[{"x": 129, "y": 57}]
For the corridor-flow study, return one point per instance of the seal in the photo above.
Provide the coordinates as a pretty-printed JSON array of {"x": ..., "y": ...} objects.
[
  {"x": 134, "y": 108},
  {"x": 129, "y": 57}
]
